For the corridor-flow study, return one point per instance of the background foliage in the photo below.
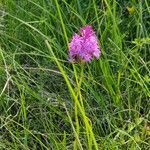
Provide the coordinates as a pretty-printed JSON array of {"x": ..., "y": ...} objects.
[{"x": 37, "y": 110}]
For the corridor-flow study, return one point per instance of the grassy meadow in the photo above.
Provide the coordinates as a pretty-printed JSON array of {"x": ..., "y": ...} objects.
[{"x": 47, "y": 103}]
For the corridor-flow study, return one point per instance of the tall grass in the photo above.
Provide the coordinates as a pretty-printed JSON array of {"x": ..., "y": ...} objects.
[{"x": 47, "y": 102}]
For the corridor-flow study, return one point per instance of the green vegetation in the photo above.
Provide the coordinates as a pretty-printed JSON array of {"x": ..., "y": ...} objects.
[{"x": 48, "y": 103}]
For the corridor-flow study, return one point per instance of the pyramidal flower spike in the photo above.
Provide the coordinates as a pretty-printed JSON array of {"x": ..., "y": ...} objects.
[{"x": 84, "y": 46}]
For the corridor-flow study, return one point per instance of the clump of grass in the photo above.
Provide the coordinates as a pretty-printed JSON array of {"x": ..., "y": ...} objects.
[{"x": 48, "y": 103}]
